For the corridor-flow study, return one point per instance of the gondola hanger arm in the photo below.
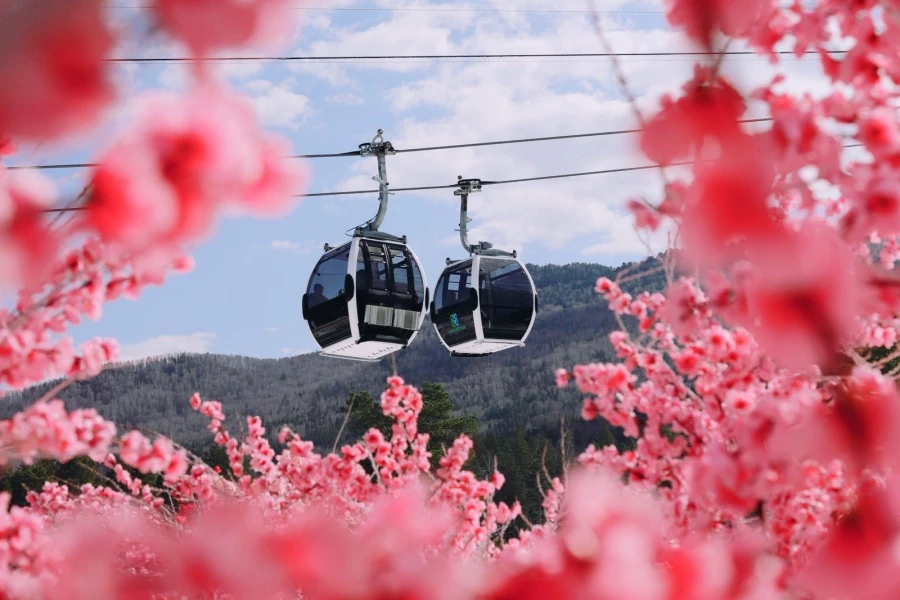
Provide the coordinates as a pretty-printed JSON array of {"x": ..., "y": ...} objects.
[
  {"x": 464, "y": 188},
  {"x": 380, "y": 149}
]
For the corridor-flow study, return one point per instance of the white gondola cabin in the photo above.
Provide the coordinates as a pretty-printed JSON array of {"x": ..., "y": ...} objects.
[
  {"x": 366, "y": 299},
  {"x": 486, "y": 303}
]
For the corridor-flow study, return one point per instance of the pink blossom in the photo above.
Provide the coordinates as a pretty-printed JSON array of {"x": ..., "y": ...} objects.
[
  {"x": 875, "y": 203},
  {"x": 880, "y": 132},
  {"x": 26, "y": 244},
  {"x": 45, "y": 429},
  {"x": 858, "y": 560},
  {"x": 7, "y": 146},
  {"x": 273, "y": 192},
  {"x": 727, "y": 208},
  {"x": 208, "y": 25},
  {"x": 740, "y": 404},
  {"x": 683, "y": 307},
  {"x": 52, "y": 63},
  {"x": 562, "y": 378},
  {"x": 129, "y": 201},
  {"x": 605, "y": 286},
  {"x": 854, "y": 427},
  {"x": 95, "y": 354},
  {"x": 187, "y": 159},
  {"x": 709, "y": 107},
  {"x": 804, "y": 309},
  {"x": 644, "y": 216},
  {"x": 700, "y": 18}
]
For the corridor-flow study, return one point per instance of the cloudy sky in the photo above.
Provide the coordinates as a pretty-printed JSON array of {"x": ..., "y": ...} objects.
[{"x": 244, "y": 296}]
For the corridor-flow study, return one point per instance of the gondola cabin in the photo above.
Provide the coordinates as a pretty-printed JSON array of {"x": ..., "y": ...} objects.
[
  {"x": 484, "y": 305},
  {"x": 366, "y": 299}
]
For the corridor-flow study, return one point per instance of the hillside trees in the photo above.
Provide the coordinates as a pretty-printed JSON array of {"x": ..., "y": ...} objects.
[{"x": 436, "y": 419}]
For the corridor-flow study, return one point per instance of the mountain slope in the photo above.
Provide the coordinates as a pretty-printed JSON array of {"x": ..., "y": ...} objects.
[{"x": 309, "y": 392}]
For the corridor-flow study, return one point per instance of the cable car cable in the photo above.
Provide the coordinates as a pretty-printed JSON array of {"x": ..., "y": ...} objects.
[
  {"x": 356, "y": 153},
  {"x": 450, "y": 10},
  {"x": 543, "y": 139},
  {"x": 397, "y": 57},
  {"x": 92, "y": 165},
  {"x": 455, "y": 185}
]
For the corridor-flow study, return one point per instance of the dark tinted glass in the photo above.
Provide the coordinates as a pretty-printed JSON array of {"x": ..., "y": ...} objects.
[
  {"x": 507, "y": 299},
  {"x": 453, "y": 287},
  {"x": 377, "y": 266},
  {"x": 453, "y": 318},
  {"x": 327, "y": 281},
  {"x": 401, "y": 269},
  {"x": 418, "y": 282},
  {"x": 361, "y": 281},
  {"x": 327, "y": 312}
]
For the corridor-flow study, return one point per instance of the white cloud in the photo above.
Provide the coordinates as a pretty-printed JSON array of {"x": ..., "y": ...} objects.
[
  {"x": 284, "y": 245},
  {"x": 273, "y": 329},
  {"x": 194, "y": 343},
  {"x": 445, "y": 102},
  {"x": 305, "y": 247},
  {"x": 277, "y": 105},
  {"x": 346, "y": 98},
  {"x": 448, "y": 102}
]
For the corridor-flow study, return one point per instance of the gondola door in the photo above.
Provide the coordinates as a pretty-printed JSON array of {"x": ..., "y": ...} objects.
[
  {"x": 507, "y": 299},
  {"x": 455, "y": 303},
  {"x": 390, "y": 292},
  {"x": 325, "y": 302}
]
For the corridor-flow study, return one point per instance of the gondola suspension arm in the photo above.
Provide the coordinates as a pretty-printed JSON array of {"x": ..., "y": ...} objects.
[
  {"x": 380, "y": 149},
  {"x": 466, "y": 187}
]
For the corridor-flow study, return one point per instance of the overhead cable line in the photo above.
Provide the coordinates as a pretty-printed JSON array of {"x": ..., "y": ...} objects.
[
  {"x": 483, "y": 182},
  {"x": 357, "y": 192},
  {"x": 184, "y": 59},
  {"x": 65, "y": 209},
  {"x": 448, "y": 10},
  {"x": 445, "y": 187},
  {"x": 91, "y": 164},
  {"x": 356, "y": 153},
  {"x": 498, "y": 182},
  {"x": 541, "y": 139}
]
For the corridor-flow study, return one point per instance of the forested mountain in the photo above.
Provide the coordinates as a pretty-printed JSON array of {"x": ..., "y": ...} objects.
[{"x": 510, "y": 391}]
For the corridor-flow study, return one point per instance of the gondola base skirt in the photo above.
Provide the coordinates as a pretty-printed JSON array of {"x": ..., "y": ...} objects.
[
  {"x": 485, "y": 346},
  {"x": 364, "y": 351}
]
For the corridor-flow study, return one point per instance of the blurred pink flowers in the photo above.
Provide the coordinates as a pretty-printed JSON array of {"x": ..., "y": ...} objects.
[
  {"x": 209, "y": 25},
  {"x": 754, "y": 421},
  {"x": 804, "y": 297},
  {"x": 53, "y": 67},
  {"x": 187, "y": 159},
  {"x": 26, "y": 246}
]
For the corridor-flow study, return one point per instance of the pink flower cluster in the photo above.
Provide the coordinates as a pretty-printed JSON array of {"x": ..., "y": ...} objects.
[
  {"x": 46, "y": 430},
  {"x": 153, "y": 194},
  {"x": 76, "y": 287},
  {"x": 186, "y": 159},
  {"x": 278, "y": 531},
  {"x": 761, "y": 460}
]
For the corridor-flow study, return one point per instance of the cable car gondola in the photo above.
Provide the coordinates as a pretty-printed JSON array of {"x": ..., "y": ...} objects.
[
  {"x": 367, "y": 298},
  {"x": 486, "y": 303}
]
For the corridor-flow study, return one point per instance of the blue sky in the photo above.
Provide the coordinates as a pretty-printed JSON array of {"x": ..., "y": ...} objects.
[{"x": 244, "y": 296}]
